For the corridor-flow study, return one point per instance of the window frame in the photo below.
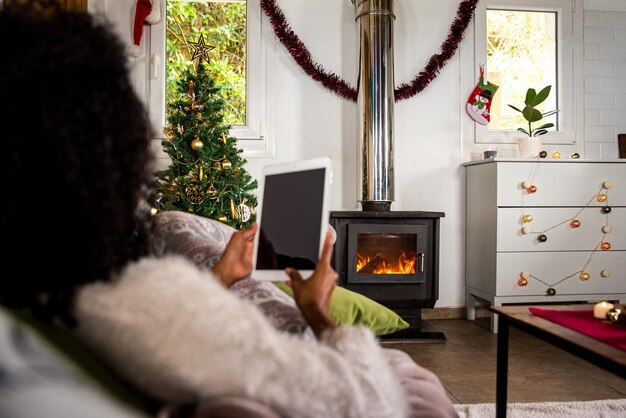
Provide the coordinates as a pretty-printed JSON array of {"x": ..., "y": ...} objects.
[
  {"x": 569, "y": 90},
  {"x": 256, "y": 137}
]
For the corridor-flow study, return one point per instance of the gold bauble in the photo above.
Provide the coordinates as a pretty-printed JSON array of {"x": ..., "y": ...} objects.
[
  {"x": 217, "y": 165},
  {"x": 556, "y": 155},
  {"x": 232, "y": 208},
  {"x": 224, "y": 137},
  {"x": 574, "y": 223},
  {"x": 521, "y": 282},
  {"x": 584, "y": 276},
  {"x": 527, "y": 218},
  {"x": 243, "y": 212},
  {"x": 194, "y": 194},
  {"x": 605, "y": 245},
  {"x": 601, "y": 197},
  {"x": 211, "y": 191},
  {"x": 197, "y": 144},
  {"x": 222, "y": 218},
  {"x": 226, "y": 164}
]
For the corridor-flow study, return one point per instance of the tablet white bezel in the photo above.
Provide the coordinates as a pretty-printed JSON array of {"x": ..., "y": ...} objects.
[{"x": 303, "y": 165}]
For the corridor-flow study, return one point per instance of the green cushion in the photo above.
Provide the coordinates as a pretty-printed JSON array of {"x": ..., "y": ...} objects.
[{"x": 351, "y": 308}]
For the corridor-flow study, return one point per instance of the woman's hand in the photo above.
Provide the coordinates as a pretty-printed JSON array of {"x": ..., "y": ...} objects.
[
  {"x": 313, "y": 295},
  {"x": 236, "y": 262}
]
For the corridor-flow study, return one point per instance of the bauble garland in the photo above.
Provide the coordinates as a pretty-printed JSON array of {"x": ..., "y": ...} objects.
[{"x": 343, "y": 89}]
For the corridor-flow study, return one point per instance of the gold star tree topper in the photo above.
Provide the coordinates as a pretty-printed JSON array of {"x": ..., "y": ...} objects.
[{"x": 201, "y": 49}]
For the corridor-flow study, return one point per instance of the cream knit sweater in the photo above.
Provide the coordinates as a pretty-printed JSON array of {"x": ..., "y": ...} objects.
[{"x": 170, "y": 328}]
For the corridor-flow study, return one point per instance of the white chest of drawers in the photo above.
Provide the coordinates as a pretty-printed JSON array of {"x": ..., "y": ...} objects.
[{"x": 499, "y": 252}]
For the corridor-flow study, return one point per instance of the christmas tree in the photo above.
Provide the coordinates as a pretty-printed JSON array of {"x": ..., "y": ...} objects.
[{"x": 206, "y": 176}]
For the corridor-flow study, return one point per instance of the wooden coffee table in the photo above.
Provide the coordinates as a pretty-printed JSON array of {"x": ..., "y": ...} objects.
[{"x": 606, "y": 356}]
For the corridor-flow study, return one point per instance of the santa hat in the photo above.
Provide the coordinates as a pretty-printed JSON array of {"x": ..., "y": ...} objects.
[{"x": 146, "y": 12}]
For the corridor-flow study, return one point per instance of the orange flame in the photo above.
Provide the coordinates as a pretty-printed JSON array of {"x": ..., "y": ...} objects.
[{"x": 405, "y": 265}]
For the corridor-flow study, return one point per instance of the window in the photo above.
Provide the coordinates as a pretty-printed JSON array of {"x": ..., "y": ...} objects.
[
  {"x": 242, "y": 61},
  {"x": 530, "y": 44}
]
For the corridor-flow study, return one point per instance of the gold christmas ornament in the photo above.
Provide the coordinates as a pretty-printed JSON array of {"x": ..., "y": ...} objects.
[
  {"x": 200, "y": 172},
  {"x": 574, "y": 223},
  {"x": 222, "y": 218},
  {"x": 211, "y": 191},
  {"x": 527, "y": 218},
  {"x": 532, "y": 189},
  {"x": 194, "y": 194},
  {"x": 226, "y": 164},
  {"x": 232, "y": 208},
  {"x": 243, "y": 212},
  {"x": 236, "y": 171},
  {"x": 521, "y": 282},
  {"x": 197, "y": 144},
  {"x": 224, "y": 137},
  {"x": 180, "y": 129},
  {"x": 605, "y": 245},
  {"x": 584, "y": 276},
  {"x": 601, "y": 197},
  {"x": 556, "y": 155},
  {"x": 217, "y": 165}
]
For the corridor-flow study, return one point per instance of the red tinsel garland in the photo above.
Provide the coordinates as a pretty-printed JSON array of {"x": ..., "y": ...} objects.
[{"x": 340, "y": 87}]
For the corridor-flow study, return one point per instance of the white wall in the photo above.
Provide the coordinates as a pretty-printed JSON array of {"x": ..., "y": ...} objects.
[
  {"x": 605, "y": 76},
  {"x": 430, "y": 144}
]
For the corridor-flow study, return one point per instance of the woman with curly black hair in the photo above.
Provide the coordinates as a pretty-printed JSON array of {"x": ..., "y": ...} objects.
[{"x": 76, "y": 167}]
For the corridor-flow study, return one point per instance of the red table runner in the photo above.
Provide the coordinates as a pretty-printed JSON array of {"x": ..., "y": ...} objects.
[{"x": 585, "y": 323}]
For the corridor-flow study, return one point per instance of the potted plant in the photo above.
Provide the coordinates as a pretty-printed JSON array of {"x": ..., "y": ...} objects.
[{"x": 530, "y": 145}]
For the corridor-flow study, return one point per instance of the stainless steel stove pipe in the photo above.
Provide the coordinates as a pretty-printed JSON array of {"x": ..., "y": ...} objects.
[{"x": 375, "y": 103}]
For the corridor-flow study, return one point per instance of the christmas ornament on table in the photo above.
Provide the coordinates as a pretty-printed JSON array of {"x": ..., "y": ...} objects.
[
  {"x": 206, "y": 175},
  {"x": 147, "y": 12},
  {"x": 479, "y": 102}
]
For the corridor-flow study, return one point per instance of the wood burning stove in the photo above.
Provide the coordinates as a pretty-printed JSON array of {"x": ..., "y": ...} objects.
[{"x": 391, "y": 257}]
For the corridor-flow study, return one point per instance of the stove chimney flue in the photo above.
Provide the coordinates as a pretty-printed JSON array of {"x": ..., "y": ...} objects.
[{"x": 375, "y": 102}]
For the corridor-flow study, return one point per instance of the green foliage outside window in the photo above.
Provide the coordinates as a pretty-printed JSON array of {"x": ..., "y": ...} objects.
[
  {"x": 521, "y": 52},
  {"x": 223, "y": 25}
]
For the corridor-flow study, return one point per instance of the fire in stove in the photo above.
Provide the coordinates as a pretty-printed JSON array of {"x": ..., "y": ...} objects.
[
  {"x": 378, "y": 264},
  {"x": 386, "y": 254}
]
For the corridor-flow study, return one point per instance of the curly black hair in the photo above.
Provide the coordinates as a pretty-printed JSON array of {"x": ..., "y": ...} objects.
[{"x": 74, "y": 157}]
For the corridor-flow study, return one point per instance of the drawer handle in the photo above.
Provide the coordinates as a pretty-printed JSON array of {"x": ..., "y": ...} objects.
[{"x": 420, "y": 261}]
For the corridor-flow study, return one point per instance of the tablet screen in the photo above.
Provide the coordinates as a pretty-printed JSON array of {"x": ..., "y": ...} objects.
[{"x": 289, "y": 233}]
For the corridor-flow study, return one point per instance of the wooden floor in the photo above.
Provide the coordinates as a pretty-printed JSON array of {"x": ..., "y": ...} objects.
[{"x": 538, "y": 372}]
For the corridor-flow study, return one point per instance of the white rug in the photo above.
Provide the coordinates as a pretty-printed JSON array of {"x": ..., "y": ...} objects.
[{"x": 610, "y": 408}]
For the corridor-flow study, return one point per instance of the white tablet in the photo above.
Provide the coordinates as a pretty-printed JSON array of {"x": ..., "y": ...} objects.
[{"x": 292, "y": 218}]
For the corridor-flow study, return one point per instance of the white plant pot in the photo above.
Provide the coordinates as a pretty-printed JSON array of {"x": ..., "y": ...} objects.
[{"x": 529, "y": 147}]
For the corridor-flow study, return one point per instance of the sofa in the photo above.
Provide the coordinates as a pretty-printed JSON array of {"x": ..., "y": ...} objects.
[{"x": 45, "y": 371}]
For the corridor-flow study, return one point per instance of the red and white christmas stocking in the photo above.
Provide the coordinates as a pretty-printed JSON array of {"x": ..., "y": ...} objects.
[
  {"x": 479, "y": 102},
  {"x": 146, "y": 12}
]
